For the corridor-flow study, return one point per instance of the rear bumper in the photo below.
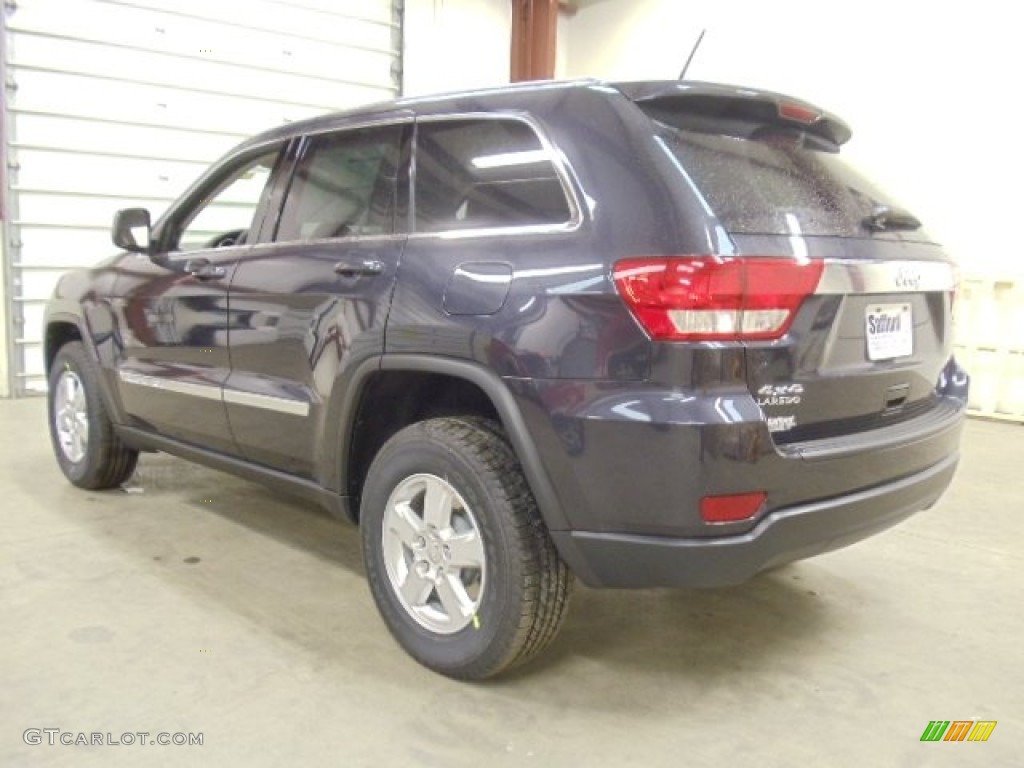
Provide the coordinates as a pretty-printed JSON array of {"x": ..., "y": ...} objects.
[{"x": 784, "y": 535}]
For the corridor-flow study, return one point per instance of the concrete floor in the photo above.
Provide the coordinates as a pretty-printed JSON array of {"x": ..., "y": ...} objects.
[{"x": 202, "y": 603}]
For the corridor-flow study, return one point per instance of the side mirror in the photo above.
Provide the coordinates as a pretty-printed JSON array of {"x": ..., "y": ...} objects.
[{"x": 131, "y": 230}]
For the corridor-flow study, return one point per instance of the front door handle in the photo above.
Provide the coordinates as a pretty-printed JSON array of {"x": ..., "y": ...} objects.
[
  {"x": 202, "y": 269},
  {"x": 365, "y": 268}
]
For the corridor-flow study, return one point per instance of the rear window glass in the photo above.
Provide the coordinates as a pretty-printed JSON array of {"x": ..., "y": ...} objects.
[
  {"x": 771, "y": 180},
  {"x": 478, "y": 174}
]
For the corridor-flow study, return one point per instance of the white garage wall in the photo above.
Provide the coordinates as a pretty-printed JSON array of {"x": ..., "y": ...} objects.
[
  {"x": 5, "y": 354},
  {"x": 927, "y": 89},
  {"x": 114, "y": 103},
  {"x": 456, "y": 44}
]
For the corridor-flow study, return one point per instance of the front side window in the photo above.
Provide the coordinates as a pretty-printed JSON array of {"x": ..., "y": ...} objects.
[
  {"x": 345, "y": 185},
  {"x": 480, "y": 174},
  {"x": 225, "y": 215}
]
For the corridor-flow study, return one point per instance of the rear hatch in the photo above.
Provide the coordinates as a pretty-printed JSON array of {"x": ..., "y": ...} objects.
[{"x": 868, "y": 330}]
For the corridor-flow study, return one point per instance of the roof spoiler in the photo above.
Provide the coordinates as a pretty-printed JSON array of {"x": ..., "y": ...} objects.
[{"x": 730, "y": 102}]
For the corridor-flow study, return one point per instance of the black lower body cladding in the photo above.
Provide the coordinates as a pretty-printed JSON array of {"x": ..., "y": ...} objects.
[
  {"x": 632, "y": 467},
  {"x": 616, "y": 560}
]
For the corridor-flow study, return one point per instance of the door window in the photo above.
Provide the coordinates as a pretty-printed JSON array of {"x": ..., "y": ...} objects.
[
  {"x": 345, "y": 185},
  {"x": 225, "y": 215}
]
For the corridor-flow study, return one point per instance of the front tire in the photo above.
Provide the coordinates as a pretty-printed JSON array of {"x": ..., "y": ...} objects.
[
  {"x": 89, "y": 452},
  {"x": 458, "y": 558}
]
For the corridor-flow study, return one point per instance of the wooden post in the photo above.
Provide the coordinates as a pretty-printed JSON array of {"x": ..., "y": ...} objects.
[{"x": 534, "y": 37}]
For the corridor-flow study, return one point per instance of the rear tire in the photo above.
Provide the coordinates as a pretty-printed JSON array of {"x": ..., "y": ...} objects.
[
  {"x": 458, "y": 558},
  {"x": 89, "y": 452}
]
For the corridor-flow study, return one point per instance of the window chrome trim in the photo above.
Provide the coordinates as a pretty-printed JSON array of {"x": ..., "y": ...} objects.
[
  {"x": 344, "y": 240},
  {"x": 349, "y": 124},
  {"x": 337, "y": 123},
  {"x": 526, "y": 229},
  {"x": 843, "y": 277},
  {"x": 554, "y": 156},
  {"x": 279, "y": 404}
]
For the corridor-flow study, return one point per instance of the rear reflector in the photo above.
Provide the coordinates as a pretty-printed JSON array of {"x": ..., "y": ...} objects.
[
  {"x": 729, "y": 509},
  {"x": 707, "y": 298}
]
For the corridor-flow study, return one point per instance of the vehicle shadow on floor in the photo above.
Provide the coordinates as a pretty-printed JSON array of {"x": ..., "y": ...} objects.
[
  {"x": 284, "y": 517},
  {"x": 693, "y": 637},
  {"x": 696, "y": 634},
  {"x": 681, "y": 637}
]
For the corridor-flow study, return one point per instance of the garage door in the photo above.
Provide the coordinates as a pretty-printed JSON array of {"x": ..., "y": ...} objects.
[{"x": 115, "y": 103}]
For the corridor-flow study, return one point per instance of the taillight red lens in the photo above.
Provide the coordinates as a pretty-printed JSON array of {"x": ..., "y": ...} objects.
[
  {"x": 707, "y": 298},
  {"x": 729, "y": 509},
  {"x": 798, "y": 113}
]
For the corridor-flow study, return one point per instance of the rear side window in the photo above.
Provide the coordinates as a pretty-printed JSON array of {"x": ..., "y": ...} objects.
[
  {"x": 345, "y": 185},
  {"x": 479, "y": 174},
  {"x": 760, "y": 179}
]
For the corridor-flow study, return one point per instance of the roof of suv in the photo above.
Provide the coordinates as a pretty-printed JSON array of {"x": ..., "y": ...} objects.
[{"x": 708, "y": 98}]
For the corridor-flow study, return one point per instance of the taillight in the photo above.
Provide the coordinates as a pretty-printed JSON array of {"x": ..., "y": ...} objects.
[
  {"x": 708, "y": 298},
  {"x": 798, "y": 113}
]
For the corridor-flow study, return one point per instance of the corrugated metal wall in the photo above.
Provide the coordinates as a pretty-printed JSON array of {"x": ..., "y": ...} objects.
[
  {"x": 114, "y": 103},
  {"x": 990, "y": 345}
]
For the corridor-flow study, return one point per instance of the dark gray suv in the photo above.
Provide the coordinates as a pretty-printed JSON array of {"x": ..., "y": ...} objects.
[{"x": 650, "y": 334}]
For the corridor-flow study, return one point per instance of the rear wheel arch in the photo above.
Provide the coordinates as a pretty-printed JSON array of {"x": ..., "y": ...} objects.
[{"x": 431, "y": 387}]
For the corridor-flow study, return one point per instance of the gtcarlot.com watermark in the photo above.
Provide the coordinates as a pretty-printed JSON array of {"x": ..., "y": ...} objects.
[{"x": 59, "y": 737}]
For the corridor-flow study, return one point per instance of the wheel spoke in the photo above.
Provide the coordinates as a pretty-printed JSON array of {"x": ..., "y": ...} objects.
[
  {"x": 457, "y": 604},
  {"x": 405, "y": 523},
  {"x": 465, "y": 550},
  {"x": 415, "y": 589},
  {"x": 437, "y": 505},
  {"x": 70, "y": 416},
  {"x": 79, "y": 400},
  {"x": 432, "y": 548},
  {"x": 70, "y": 388}
]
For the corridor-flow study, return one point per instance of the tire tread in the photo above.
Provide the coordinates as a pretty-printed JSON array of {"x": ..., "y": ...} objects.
[
  {"x": 545, "y": 609},
  {"x": 544, "y": 580},
  {"x": 113, "y": 462}
]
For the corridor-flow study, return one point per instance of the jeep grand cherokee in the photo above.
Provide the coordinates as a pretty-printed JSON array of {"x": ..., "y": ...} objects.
[{"x": 646, "y": 334}]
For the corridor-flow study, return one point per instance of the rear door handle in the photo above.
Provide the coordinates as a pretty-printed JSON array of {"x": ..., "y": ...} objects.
[
  {"x": 202, "y": 269},
  {"x": 364, "y": 268}
]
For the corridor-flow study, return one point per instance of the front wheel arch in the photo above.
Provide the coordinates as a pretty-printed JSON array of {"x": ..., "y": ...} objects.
[{"x": 58, "y": 333}]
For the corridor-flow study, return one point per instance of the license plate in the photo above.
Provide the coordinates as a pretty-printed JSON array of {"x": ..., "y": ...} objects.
[{"x": 890, "y": 331}]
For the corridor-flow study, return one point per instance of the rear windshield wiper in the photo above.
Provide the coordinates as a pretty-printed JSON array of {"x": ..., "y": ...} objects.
[{"x": 885, "y": 218}]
